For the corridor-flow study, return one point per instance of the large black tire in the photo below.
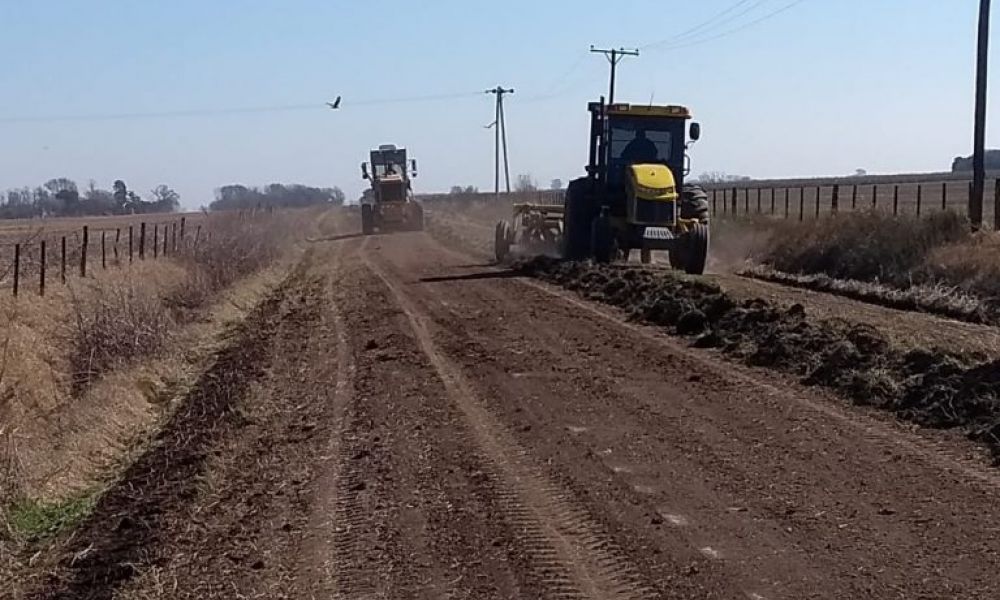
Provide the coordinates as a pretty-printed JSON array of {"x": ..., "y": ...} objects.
[
  {"x": 694, "y": 203},
  {"x": 417, "y": 215},
  {"x": 602, "y": 239},
  {"x": 695, "y": 254},
  {"x": 367, "y": 219},
  {"x": 501, "y": 241},
  {"x": 577, "y": 218}
]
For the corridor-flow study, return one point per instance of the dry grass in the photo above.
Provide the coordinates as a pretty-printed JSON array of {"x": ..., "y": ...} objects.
[{"x": 86, "y": 369}]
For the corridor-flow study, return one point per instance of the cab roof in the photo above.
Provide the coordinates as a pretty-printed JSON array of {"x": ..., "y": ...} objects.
[{"x": 644, "y": 110}]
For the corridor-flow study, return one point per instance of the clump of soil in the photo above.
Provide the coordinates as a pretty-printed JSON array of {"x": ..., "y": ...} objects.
[{"x": 932, "y": 388}]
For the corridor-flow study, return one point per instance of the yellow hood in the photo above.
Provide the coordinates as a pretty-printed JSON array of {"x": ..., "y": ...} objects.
[{"x": 653, "y": 182}]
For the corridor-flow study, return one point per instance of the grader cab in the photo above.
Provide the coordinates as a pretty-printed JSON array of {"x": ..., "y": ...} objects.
[
  {"x": 389, "y": 205},
  {"x": 634, "y": 196}
]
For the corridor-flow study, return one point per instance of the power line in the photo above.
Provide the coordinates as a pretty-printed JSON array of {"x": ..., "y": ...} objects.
[
  {"x": 735, "y": 30},
  {"x": 227, "y": 111},
  {"x": 697, "y": 28}
]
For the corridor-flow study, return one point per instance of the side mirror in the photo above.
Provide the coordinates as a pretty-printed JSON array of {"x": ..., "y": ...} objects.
[
  {"x": 695, "y": 132},
  {"x": 364, "y": 170},
  {"x": 413, "y": 166}
]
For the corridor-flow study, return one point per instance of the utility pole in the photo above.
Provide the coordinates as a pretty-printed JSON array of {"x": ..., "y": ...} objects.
[
  {"x": 979, "y": 142},
  {"x": 501, "y": 139},
  {"x": 614, "y": 57}
]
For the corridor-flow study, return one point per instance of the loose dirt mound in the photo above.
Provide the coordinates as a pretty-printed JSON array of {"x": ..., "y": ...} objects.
[{"x": 933, "y": 388}]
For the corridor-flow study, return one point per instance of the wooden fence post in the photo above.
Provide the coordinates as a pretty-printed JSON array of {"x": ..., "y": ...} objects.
[
  {"x": 944, "y": 196},
  {"x": 772, "y": 201},
  {"x": 17, "y": 268},
  {"x": 746, "y": 201},
  {"x": 142, "y": 240},
  {"x": 854, "y": 197},
  {"x": 165, "y": 239},
  {"x": 817, "y": 201},
  {"x": 787, "y": 192},
  {"x": 715, "y": 198},
  {"x": 173, "y": 237},
  {"x": 156, "y": 240},
  {"x": 835, "y": 200},
  {"x": 197, "y": 233},
  {"x": 41, "y": 269},
  {"x": 895, "y": 200},
  {"x": 184, "y": 223},
  {"x": 118, "y": 238},
  {"x": 920, "y": 197},
  {"x": 802, "y": 203},
  {"x": 83, "y": 251},
  {"x": 758, "y": 200},
  {"x": 104, "y": 251},
  {"x": 875, "y": 196},
  {"x": 62, "y": 266}
]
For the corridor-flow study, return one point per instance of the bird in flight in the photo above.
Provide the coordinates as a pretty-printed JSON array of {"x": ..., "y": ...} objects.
[{"x": 335, "y": 104}]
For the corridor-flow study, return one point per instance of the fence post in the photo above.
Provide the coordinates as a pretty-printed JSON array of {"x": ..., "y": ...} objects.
[
  {"x": 83, "y": 251},
  {"x": 895, "y": 200},
  {"x": 944, "y": 196},
  {"x": 817, "y": 201},
  {"x": 62, "y": 266},
  {"x": 17, "y": 268},
  {"x": 854, "y": 197},
  {"x": 875, "y": 196},
  {"x": 156, "y": 240},
  {"x": 787, "y": 192},
  {"x": 184, "y": 222},
  {"x": 746, "y": 201},
  {"x": 41, "y": 270},
  {"x": 173, "y": 237},
  {"x": 835, "y": 200},
  {"x": 715, "y": 197},
  {"x": 802, "y": 203},
  {"x": 758, "y": 200},
  {"x": 197, "y": 233},
  {"x": 104, "y": 251},
  {"x": 165, "y": 239},
  {"x": 920, "y": 197},
  {"x": 772, "y": 201},
  {"x": 735, "y": 194}
]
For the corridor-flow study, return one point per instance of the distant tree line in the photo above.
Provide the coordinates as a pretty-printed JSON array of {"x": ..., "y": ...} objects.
[
  {"x": 236, "y": 197},
  {"x": 61, "y": 197},
  {"x": 963, "y": 164}
]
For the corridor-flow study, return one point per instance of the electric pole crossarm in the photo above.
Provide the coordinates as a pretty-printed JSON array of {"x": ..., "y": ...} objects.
[{"x": 614, "y": 56}]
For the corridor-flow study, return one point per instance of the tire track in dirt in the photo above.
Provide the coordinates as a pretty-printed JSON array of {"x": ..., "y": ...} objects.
[{"x": 574, "y": 557}]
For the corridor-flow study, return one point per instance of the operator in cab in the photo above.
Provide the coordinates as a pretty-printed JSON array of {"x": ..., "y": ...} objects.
[{"x": 640, "y": 150}]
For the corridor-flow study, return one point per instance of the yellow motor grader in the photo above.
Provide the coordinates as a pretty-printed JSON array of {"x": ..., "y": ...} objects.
[
  {"x": 389, "y": 204},
  {"x": 634, "y": 196}
]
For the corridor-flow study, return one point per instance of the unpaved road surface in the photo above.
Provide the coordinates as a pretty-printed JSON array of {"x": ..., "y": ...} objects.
[{"x": 413, "y": 423}]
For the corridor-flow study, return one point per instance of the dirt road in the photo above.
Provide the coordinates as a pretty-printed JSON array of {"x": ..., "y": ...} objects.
[{"x": 426, "y": 426}]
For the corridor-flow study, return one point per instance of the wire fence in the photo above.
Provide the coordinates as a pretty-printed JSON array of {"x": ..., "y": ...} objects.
[
  {"x": 803, "y": 202},
  {"x": 797, "y": 200},
  {"x": 38, "y": 259}
]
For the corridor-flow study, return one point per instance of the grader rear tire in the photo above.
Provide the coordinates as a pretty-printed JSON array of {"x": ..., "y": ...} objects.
[{"x": 501, "y": 241}]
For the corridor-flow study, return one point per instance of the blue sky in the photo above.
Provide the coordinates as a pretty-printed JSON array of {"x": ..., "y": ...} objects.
[{"x": 822, "y": 89}]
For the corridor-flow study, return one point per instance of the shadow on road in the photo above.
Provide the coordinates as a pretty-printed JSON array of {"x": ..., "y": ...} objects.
[{"x": 508, "y": 274}]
